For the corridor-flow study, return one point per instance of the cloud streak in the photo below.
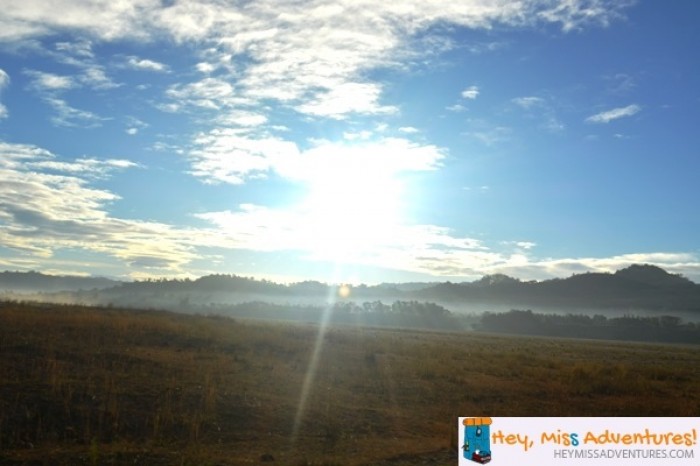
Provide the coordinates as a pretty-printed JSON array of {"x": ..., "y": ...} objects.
[
  {"x": 614, "y": 114},
  {"x": 4, "y": 82}
]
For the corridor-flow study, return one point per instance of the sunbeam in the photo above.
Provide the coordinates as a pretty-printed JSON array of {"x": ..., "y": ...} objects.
[{"x": 311, "y": 369}]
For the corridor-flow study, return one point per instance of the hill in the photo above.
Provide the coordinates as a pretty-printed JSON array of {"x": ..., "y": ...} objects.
[{"x": 638, "y": 287}]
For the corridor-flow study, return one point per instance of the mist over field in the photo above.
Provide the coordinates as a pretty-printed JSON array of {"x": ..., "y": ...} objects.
[{"x": 641, "y": 302}]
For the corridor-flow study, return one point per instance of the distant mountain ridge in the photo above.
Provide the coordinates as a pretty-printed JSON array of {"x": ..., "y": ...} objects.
[{"x": 635, "y": 287}]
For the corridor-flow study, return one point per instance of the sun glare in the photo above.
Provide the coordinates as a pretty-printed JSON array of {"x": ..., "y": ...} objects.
[{"x": 344, "y": 291}]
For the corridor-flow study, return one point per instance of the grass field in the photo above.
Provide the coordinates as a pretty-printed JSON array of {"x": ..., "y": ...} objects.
[{"x": 89, "y": 386}]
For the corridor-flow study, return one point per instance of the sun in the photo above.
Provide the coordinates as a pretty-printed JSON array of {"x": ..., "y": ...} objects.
[{"x": 351, "y": 210}]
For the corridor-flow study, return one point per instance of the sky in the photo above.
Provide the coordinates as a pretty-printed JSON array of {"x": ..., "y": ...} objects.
[{"x": 349, "y": 141}]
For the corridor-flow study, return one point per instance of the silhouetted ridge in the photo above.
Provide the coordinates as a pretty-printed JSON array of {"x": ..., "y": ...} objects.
[
  {"x": 652, "y": 275},
  {"x": 496, "y": 279},
  {"x": 35, "y": 281}
]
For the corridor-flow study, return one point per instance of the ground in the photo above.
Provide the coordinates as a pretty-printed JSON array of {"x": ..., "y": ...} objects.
[{"x": 93, "y": 386}]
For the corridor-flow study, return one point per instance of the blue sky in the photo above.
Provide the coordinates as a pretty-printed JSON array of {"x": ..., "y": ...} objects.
[{"x": 349, "y": 140}]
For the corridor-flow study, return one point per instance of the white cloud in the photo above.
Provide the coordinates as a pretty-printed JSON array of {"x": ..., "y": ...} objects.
[
  {"x": 230, "y": 156},
  {"x": 145, "y": 64},
  {"x": 610, "y": 115},
  {"x": 408, "y": 130},
  {"x": 49, "y": 81},
  {"x": 95, "y": 77},
  {"x": 471, "y": 93},
  {"x": 204, "y": 67},
  {"x": 224, "y": 155},
  {"x": 525, "y": 244},
  {"x": 346, "y": 98}
]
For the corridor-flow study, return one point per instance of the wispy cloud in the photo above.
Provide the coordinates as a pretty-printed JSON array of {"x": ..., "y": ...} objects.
[
  {"x": 576, "y": 14},
  {"x": 47, "y": 204},
  {"x": 71, "y": 116},
  {"x": 86, "y": 167},
  {"x": 620, "y": 83},
  {"x": 488, "y": 133},
  {"x": 542, "y": 110},
  {"x": 528, "y": 102},
  {"x": 613, "y": 114},
  {"x": 79, "y": 54},
  {"x": 81, "y": 48},
  {"x": 49, "y": 87}
]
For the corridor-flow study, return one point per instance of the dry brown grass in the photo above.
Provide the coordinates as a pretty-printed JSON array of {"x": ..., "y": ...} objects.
[{"x": 104, "y": 386}]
